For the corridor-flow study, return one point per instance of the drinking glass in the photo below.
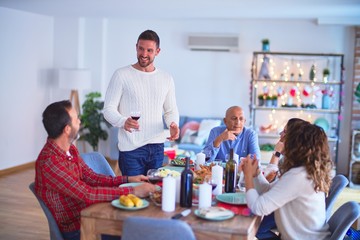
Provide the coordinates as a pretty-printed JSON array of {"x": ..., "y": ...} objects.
[
  {"x": 136, "y": 116},
  {"x": 207, "y": 155},
  {"x": 208, "y": 179},
  {"x": 154, "y": 176},
  {"x": 241, "y": 182}
]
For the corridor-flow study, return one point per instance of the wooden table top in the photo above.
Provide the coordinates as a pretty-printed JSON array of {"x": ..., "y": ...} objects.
[{"x": 242, "y": 227}]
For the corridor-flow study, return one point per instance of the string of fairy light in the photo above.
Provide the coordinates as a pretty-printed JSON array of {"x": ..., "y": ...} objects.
[{"x": 305, "y": 74}]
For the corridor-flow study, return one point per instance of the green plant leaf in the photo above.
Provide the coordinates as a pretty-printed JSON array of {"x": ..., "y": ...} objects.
[{"x": 92, "y": 118}]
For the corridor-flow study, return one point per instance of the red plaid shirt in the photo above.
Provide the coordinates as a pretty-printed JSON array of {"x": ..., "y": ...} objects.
[{"x": 67, "y": 185}]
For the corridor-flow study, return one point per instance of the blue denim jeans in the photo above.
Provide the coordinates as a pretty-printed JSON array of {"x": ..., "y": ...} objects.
[
  {"x": 264, "y": 232},
  {"x": 140, "y": 160},
  {"x": 75, "y": 235}
]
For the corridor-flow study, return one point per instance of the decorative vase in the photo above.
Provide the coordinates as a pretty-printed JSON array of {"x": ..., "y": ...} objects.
[
  {"x": 325, "y": 78},
  {"x": 268, "y": 102},
  {"x": 274, "y": 102},
  {"x": 325, "y": 101},
  {"x": 312, "y": 73},
  {"x": 261, "y": 102},
  {"x": 265, "y": 47}
]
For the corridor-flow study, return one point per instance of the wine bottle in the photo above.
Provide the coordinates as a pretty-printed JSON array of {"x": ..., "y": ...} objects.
[
  {"x": 186, "y": 186},
  {"x": 230, "y": 173}
]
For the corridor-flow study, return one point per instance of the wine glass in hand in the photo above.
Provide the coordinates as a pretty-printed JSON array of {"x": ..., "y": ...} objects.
[
  {"x": 154, "y": 176},
  {"x": 135, "y": 115}
]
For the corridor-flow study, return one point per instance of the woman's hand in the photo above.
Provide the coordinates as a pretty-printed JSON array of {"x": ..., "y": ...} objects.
[
  {"x": 251, "y": 170},
  {"x": 251, "y": 166}
]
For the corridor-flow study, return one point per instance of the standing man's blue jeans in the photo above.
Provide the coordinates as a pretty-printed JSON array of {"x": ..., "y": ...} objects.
[{"x": 140, "y": 160}]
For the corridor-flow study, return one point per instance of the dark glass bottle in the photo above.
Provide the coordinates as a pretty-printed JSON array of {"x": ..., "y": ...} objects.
[
  {"x": 230, "y": 173},
  {"x": 186, "y": 186}
]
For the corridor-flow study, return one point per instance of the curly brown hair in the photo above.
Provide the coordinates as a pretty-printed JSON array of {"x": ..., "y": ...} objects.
[{"x": 306, "y": 144}]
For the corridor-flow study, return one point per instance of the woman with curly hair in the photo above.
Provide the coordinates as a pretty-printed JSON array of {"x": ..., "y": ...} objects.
[{"x": 297, "y": 198}]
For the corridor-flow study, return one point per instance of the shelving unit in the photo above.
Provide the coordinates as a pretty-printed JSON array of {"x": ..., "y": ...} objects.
[{"x": 297, "y": 83}]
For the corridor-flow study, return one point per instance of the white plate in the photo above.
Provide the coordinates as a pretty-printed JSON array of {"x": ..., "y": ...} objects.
[
  {"x": 116, "y": 203},
  {"x": 231, "y": 215},
  {"x": 131, "y": 184},
  {"x": 232, "y": 198},
  {"x": 134, "y": 184}
]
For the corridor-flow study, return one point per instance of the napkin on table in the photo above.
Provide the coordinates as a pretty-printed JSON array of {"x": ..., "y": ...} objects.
[{"x": 237, "y": 209}]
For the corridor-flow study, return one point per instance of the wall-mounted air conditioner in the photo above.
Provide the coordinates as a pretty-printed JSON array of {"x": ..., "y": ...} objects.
[{"x": 211, "y": 42}]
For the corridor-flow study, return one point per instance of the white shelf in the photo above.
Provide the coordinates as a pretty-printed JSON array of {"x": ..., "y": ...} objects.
[
  {"x": 296, "y": 109},
  {"x": 284, "y": 66},
  {"x": 297, "y": 81},
  {"x": 276, "y": 136}
]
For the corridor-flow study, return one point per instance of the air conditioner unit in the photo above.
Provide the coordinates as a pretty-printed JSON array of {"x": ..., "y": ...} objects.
[{"x": 213, "y": 42}]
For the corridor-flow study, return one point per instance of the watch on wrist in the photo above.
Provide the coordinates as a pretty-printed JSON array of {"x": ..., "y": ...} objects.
[{"x": 277, "y": 154}]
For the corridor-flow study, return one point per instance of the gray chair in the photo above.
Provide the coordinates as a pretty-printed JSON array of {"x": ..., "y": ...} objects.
[
  {"x": 139, "y": 228},
  {"x": 339, "y": 182},
  {"x": 342, "y": 219},
  {"x": 97, "y": 162},
  {"x": 55, "y": 233}
]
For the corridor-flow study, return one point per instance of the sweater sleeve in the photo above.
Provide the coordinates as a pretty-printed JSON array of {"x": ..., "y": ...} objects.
[
  {"x": 283, "y": 191},
  {"x": 171, "y": 113},
  {"x": 112, "y": 100}
]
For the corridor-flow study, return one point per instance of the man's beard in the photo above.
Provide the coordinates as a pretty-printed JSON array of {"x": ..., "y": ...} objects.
[
  {"x": 74, "y": 136},
  {"x": 144, "y": 65}
]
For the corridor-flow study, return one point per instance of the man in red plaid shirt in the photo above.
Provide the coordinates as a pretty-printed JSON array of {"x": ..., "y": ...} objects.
[{"x": 63, "y": 180}]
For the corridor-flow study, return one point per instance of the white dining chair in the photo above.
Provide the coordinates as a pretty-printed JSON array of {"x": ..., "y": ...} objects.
[{"x": 98, "y": 163}]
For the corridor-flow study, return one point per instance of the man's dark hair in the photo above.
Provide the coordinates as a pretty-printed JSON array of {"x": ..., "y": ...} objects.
[
  {"x": 150, "y": 35},
  {"x": 56, "y": 117}
]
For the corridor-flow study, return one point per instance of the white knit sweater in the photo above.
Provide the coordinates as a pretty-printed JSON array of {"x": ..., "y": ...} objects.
[{"x": 152, "y": 93}]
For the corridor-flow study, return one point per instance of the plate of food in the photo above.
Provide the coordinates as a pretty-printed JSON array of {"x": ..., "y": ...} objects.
[
  {"x": 214, "y": 213},
  {"x": 130, "y": 202},
  {"x": 156, "y": 197},
  {"x": 232, "y": 198},
  {"x": 180, "y": 162}
]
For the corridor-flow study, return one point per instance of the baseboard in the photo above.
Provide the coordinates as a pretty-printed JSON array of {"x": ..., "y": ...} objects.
[{"x": 17, "y": 168}]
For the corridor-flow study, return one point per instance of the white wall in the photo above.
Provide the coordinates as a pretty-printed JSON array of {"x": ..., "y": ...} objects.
[
  {"x": 206, "y": 82},
  {"x": 26, "y": 47},
  {"x": 217, "y": 79}
]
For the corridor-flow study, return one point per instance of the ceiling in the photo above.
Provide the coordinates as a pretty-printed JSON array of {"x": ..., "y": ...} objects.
[{"x": 324, "y": 11}]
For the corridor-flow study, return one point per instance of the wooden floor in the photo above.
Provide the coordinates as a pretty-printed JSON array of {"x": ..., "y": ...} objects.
[{"x": 21, "y": 216}]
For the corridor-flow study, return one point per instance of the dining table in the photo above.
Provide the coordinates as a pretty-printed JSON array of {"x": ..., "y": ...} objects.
[{"x": 104, "y": 218}]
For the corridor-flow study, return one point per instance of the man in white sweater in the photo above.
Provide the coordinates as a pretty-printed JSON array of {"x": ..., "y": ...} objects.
[{"x": 142, "y": 87}]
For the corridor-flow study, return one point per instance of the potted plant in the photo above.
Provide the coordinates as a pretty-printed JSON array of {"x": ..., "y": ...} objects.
[
  {"x": 265, "y": 45},
  {"x": 268, "y": 101},
  {"x": 261, "y": 99},
  {"x": 92, "y": 120},
  {"x": 274, "y": 99},
  {"x": 326, "y": 73}
]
